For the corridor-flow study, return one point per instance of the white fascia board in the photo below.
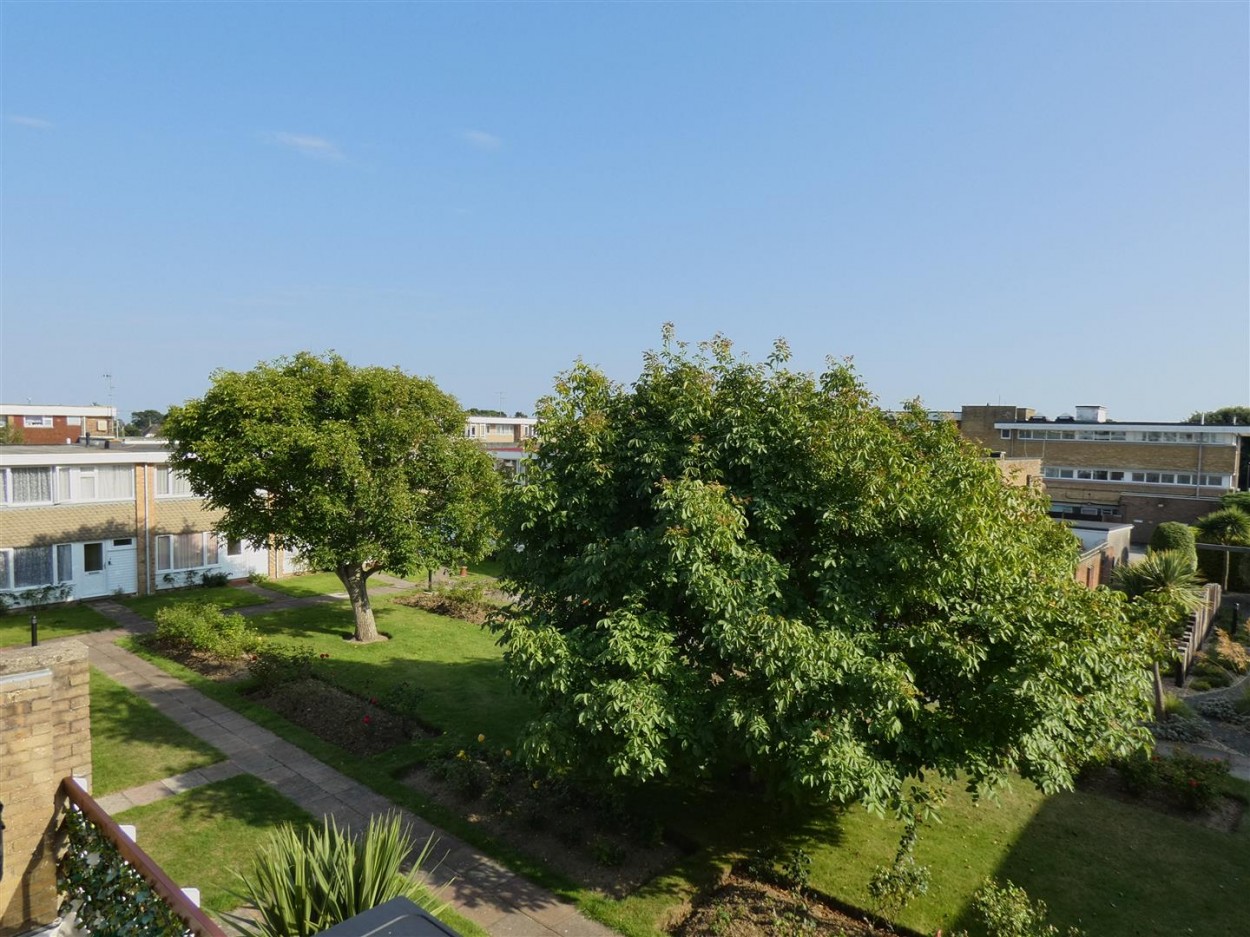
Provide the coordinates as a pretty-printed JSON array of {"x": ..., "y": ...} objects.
[
  {"x": 1209, "y": 429},
  {"x": 84, "y": 456},
  {"x": 40, "y": 409},
  {"x": 504, "y": 420}
]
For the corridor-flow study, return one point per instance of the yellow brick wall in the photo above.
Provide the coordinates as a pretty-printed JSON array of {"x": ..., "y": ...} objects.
[
  {"x": 45, "y": 735},
  {"x": 182, "y": 515},
  {"x": 1215, "y": 459},
  {"x": 63, "y": 523}
]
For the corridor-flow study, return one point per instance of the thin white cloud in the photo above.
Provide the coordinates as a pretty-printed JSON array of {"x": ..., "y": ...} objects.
[
  {"x": 36, "y": 123},
  {"x": 316, "y": 147},
  {"x": 483, "y": 140}
]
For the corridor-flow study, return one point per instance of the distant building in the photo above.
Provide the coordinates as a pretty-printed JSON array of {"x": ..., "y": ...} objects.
[
  {"x": 504, "y": 437},
  {"x": 48, "y": 425},
  {"x": 1141, "y": 473}
]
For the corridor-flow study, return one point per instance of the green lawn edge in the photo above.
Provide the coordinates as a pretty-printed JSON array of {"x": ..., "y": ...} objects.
[
  {"x": 245, "y": 795},
  {"x": 134, "y": 743},
  {"x": 382, "y": 781},
  {"x": 55, "y": 621}
]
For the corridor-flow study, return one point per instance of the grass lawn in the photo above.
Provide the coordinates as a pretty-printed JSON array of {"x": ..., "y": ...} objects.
[
  {"x": 132, "y": 743},
  {"x": 1100, "y": 864},
  {"x": 225, "y": 596},
  {"x": 55, "y": 621},
  {"x": 307, "y": 584},
  {"x": 201, "y": 837},
  {"x": 456, "y": 664}
]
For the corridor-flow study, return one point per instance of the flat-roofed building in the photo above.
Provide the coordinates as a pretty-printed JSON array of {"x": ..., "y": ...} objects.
[{"x": 1138, "y": 473}]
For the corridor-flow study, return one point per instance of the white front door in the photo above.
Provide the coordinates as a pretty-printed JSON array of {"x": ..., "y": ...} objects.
[
  {"x": 122, "y": 565},
  {"x": 94, "y": 579}
]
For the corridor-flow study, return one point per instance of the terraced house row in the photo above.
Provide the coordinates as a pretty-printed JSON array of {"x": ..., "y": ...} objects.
[{"x": 78, "y": 522}]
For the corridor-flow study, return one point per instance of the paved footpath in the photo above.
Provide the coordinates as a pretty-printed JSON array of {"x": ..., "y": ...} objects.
[{"x": 480, "y": 889}]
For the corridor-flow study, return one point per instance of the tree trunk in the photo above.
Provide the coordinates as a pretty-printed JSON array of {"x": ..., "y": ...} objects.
[
  {"x": 353, "y": 577},
  {"x": 1228, "y": 556},
  {"x": 1160, "y": 708}
]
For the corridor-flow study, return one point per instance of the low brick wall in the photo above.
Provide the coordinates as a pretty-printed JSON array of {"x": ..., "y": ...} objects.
[{"x": 45, "y": 735}]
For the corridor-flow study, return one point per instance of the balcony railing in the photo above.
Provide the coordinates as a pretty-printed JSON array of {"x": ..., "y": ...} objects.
[{"x": 107, "y": 879}]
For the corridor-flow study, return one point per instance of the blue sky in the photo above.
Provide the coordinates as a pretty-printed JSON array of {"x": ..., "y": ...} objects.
[{"x": 1040, "y": 204}]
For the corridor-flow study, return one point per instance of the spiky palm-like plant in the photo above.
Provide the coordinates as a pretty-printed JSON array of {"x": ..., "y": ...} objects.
[
  {"x": 305, "y": 882},
  {"x": 1164, "y": 588},
  {"x": 1228, "y": 527}
]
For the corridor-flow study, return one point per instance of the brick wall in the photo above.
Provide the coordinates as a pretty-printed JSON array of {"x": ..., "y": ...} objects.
[
  {"x": 61, "y": 430},
  {"x": 182, "y": 515},
  {"x": 45, "y": 735},
  {"x": 67, "y": 523},
  {"x": 1146, "y": 512},
  {"x": 1214, "y": 459}
]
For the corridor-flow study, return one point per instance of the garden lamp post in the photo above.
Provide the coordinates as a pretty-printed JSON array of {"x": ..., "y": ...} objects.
[{"x": 34, "y": 630}]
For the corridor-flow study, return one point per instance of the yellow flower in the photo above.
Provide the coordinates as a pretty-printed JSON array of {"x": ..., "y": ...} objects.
[
  {"x": 461, "y": 755},
  {"x": 481, "y": 738},
  {"x": 507, "y": 753},
  {"x": 535, "y": 785}
]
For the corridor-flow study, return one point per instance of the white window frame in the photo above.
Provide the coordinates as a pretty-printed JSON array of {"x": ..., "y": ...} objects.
[
  {"x": 169, "y": 473},
  {"x": 9, "y": 570},
  {"x": 206, "y": 537},
  {"x": 38, "y": 422}
]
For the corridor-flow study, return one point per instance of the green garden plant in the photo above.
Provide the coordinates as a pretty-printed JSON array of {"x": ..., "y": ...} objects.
[
  {"x": 305, "y": 882},
  {"x": 356, "y": 469},
  {"x": 204, "y": 628},
  {"x": 733, "y": 569},
  {"x": 1005, "y": 910},
  {"x": 1175, "y": 536}
]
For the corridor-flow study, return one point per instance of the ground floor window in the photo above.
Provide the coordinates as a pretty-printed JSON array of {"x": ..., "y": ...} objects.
[
  {"x": 36, "y": 567},
  {"x": 186, "y": 551}
]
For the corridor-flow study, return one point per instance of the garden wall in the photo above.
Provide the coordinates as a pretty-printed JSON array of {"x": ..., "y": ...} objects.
[{"x": 45, "y": 735}]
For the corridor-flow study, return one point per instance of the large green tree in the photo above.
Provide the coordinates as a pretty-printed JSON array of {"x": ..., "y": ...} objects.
[
  {"x": 356, "y": 469},
  {"x": 1222, "y": 416},
  {"x": 735, "y": 566}
]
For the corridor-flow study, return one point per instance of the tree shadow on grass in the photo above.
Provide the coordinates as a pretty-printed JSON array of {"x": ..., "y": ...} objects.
[{"x": 1118, "y": 869}]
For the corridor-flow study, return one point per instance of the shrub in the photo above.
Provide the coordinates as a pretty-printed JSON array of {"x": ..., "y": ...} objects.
[
  {"x": 1228, "y": 653},
  {"x": 258, "y": 579},
  {"x": 1206, "y": 668},
  {"x": 203, "y": 627},
  {"x": 1226, "y": 710},
  {"x": 273, "y": 666},
  {"x": 305, "y": 882},
  {"x": 1176, "y": 707},
  {"x": 1185, "y": 780},
  {"x": 215, "y": 580},
  {"x": 467, "y": 776},
  {"x": 403, "y": 700},
  {"x": 1007, "y": 911},
  {"x": 607, "y": 852},
  {"x": 1173, "y": 535}
]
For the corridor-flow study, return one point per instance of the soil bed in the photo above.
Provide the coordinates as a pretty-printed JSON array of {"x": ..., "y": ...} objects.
[
  {"x": 355, "y": 725},
  {"x": 575, "y": 840},
  {"x": 215, "y": 668},
  {"x": 743, "y": 907}
]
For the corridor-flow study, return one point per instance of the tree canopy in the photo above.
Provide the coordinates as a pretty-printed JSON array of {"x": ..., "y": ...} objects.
[
  {"x": 356, "y": 469},
  {"x": 735, "y": 566},
  {"x": 143, "y": 421},
  {"x": 1224, "y": 416}
]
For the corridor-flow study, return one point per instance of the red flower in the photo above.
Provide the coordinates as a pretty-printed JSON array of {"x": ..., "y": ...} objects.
[
  {"x": 367, "y": 720},
  {"x": 1193, "y": 783},
  {"x": 373, "y": 701}
]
